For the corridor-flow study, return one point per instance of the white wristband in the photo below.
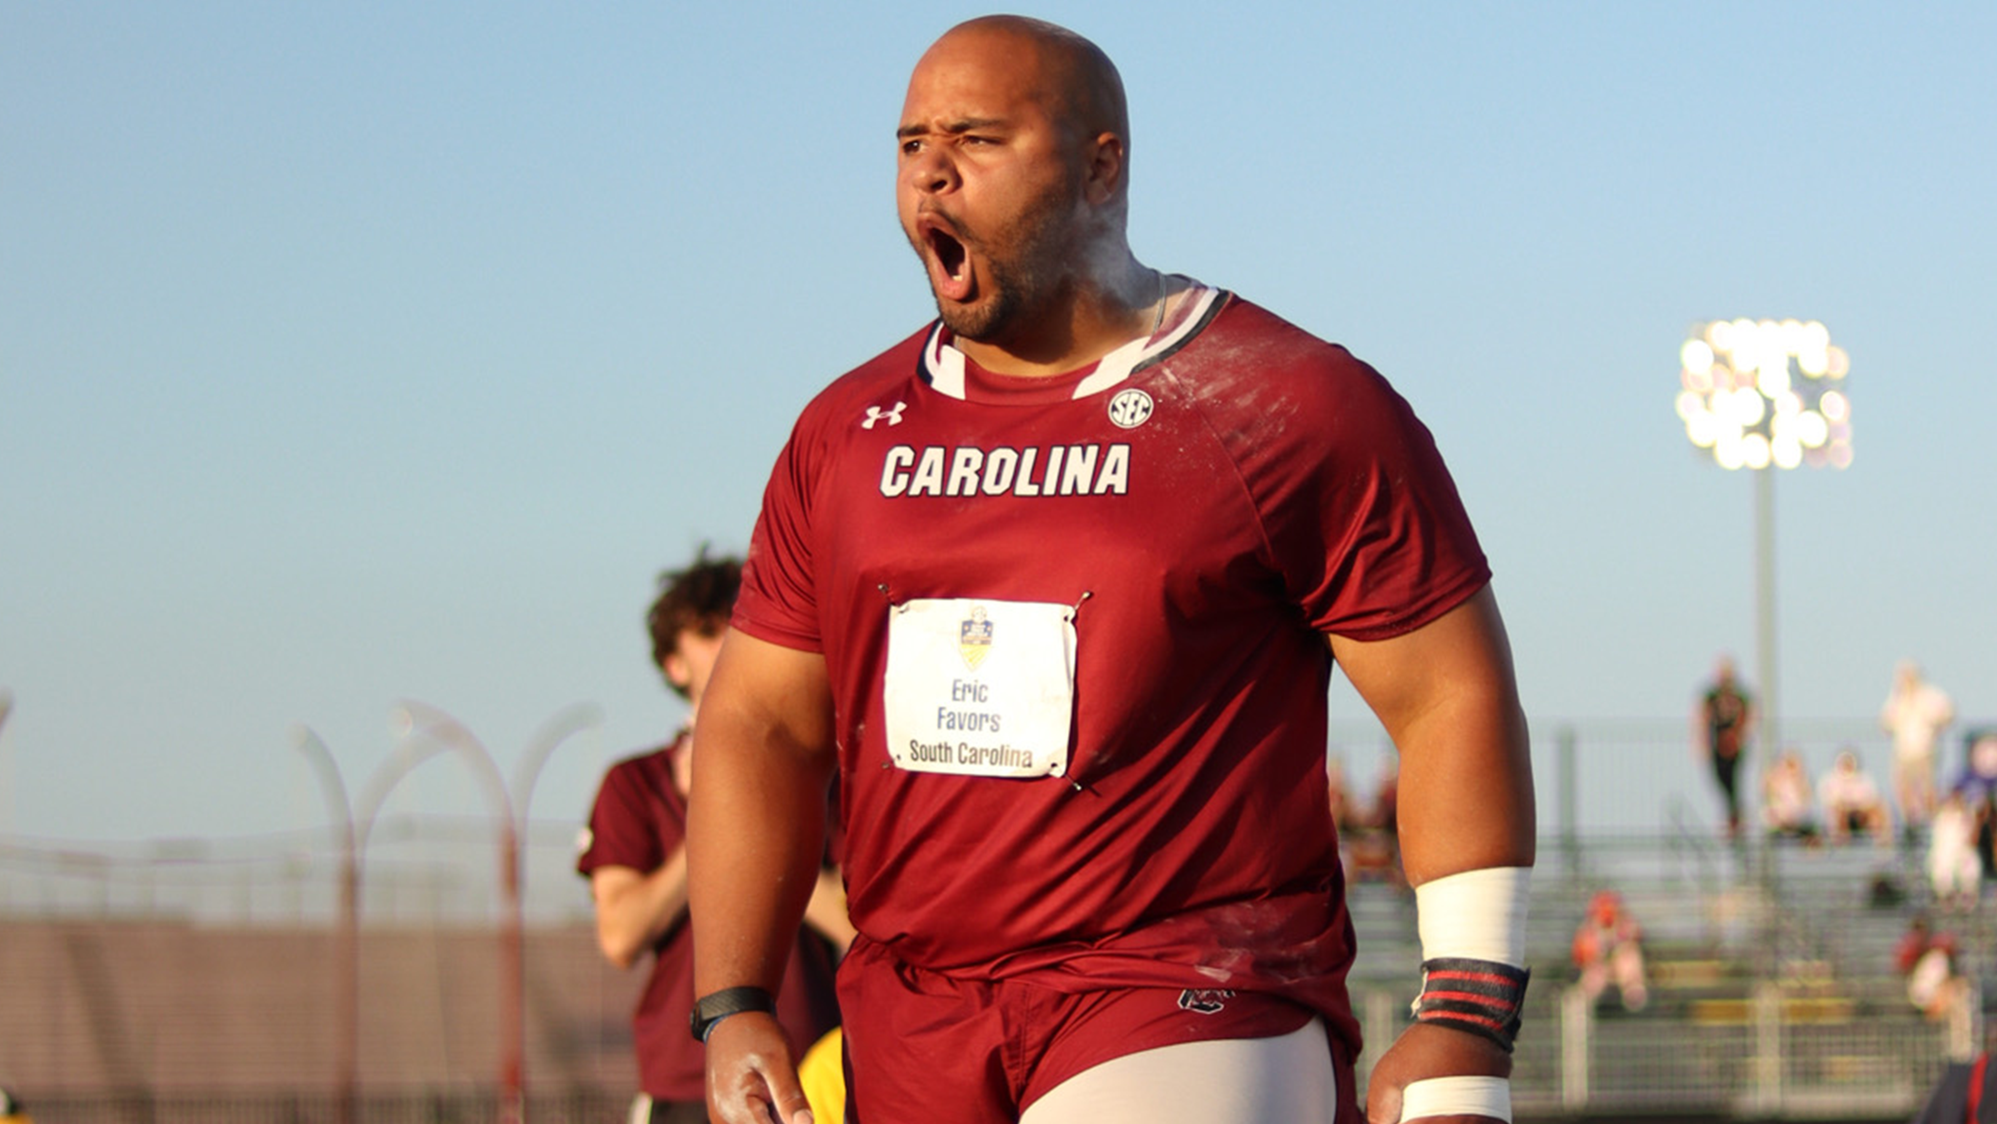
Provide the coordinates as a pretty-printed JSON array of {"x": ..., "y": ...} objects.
[
  {"x": 1475, "y": 915},
  {"x": 1457, "y": 1096}
]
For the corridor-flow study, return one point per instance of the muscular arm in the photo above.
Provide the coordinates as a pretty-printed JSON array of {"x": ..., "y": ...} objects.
[
  {"x": 755, "y": 833},
  {"x": 1446, "y": 695},
  {"x": 634, "y": 908}
]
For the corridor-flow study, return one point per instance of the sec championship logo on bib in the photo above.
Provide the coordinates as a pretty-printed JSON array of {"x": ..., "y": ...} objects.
[{"x": 974, "y": 638}]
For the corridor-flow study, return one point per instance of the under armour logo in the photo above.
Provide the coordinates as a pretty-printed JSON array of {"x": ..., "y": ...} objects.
[{"x": 875, "y": 413}]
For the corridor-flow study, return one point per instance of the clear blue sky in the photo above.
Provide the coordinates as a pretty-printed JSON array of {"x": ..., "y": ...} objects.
[{"x": 353, "y": 352}]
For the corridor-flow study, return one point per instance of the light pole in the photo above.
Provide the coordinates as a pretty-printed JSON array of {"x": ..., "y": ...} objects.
[
  {"x": 1764, "y": 395},
  {"x": 510, "y": 813},
  {"x": 351, "y": 823}
]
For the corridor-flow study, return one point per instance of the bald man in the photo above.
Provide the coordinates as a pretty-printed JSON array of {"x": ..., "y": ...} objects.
[{"x": 1055, "y": 587}]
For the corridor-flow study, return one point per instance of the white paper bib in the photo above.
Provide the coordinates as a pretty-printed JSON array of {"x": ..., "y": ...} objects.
[{"x": 980, "y": 688}]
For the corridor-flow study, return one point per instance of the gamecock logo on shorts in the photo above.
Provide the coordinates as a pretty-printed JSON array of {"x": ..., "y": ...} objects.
[{"x": 1204, "y": 1000}]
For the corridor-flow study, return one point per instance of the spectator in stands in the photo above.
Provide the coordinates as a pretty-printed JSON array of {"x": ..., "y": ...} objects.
[
  {"x": 1967, "y": 1091},
  {"x": 1344, "y": 814},
  {"x": 1788, "y": 810},
  {"x": 1852, "y": 802},
  {"x": 1608, "y": 949},
  {"x": 1339, "y": 794},
  {"x": 1725, "y": 720},
  {"x": 1374, "y": 847},
  {"x": 634, "y": 855},
  {"x": 1986, "y": 837},
  {"x": 1916, "y": 712},
  {"x": 1386, "y": 814},
  {"x": 1978, "y": 778},
  {"x": 1954, "y": 867},
  {"x": 1977, "y": 785},
  {"x": 1928, "y": 960}
]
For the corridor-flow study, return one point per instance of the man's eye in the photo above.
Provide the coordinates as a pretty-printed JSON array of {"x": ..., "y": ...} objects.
[{"x": 911, "y": 147}]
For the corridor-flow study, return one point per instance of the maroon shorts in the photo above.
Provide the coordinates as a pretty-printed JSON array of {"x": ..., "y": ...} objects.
[{"x": 923, "y": 1047}]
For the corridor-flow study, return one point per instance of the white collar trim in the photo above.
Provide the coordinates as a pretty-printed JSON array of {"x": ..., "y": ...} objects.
[{"x": 944, "y": 364}]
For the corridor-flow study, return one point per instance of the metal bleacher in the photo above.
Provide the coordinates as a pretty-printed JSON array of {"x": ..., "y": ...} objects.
[{"x": 1773, "y": 991}]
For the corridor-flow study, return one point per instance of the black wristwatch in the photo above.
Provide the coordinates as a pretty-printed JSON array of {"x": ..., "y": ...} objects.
[{"x": 711, "y": 1009}]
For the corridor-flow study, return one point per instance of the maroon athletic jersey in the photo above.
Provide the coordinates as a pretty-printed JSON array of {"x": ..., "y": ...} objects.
[
  {"x": 639, "y": 821},
  {"x": 1209, "y": 503}
]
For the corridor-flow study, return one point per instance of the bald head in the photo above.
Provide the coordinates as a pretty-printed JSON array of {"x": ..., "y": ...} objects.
[{"x": 1076, "y": 80}]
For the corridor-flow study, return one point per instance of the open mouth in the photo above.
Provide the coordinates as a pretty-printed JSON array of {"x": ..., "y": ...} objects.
[
  {"x": 950, "y": 272},
  {"x": 949, "y": 252}
]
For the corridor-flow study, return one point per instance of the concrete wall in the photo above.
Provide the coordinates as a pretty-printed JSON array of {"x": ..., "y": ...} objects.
[{"x": 165, "y": 1007}]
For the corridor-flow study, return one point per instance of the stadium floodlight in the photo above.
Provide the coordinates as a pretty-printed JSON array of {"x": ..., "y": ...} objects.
[{"x": 1762, "y": 395}]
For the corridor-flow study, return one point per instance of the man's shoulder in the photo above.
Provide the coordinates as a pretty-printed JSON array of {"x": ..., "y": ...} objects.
[
  {"x": 1246, "y": 340},
  {"x": 1258, "y": 377}
]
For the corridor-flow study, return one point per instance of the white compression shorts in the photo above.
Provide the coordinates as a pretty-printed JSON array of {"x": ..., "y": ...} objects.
[{"x": 1286, "y": 1080}]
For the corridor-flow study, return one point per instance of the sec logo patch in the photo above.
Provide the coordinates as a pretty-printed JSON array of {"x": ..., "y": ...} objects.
[{"x": 1130, "y": 408}]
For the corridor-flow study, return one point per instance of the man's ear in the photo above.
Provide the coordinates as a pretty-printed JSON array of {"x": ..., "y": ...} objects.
[
  {"x": 676, "y": 670},
  {"x": 1106, "y": 168}
]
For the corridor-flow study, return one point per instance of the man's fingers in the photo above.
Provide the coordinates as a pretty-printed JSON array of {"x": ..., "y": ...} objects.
[
  {"x": 788, "y": 1104},
  {"x": 763, "y": 1105},
  {"x": 750, "y": 1074}
]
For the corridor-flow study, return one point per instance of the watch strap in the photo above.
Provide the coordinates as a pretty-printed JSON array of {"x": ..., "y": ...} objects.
[{"x": 712, "y": 1008}]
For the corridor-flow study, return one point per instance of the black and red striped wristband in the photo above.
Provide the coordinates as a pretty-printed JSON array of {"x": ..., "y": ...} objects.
[{"x": 1483, "y": 997}]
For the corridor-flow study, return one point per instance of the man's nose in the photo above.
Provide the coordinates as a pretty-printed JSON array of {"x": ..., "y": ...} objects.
[{"x": 931, "y": 172}]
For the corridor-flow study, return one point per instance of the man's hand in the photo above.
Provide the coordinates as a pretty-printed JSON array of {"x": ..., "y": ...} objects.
[
  {"x": 1422, "y": 1052},
  {"x": 751, "y": 1076}
]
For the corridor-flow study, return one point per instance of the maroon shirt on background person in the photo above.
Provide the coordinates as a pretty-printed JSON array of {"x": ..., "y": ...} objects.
[{"x": 638, "y": 821}]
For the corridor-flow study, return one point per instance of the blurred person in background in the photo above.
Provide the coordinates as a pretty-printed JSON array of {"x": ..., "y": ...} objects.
[
  {"x": 1954, "y": 867},
  {"x": 1339, "y": 793},
  {"x": 1608, "y": 949},
  {"x": 1788, "y": 809},
  {"x": 1724, "y": 722},
  {"x": 1967, "y": 1091},
  {"x": 1372, "y": 839},
  {"x": 1977, "y": 785},
  {"x": 1985, "y": 836},
  {"x": 634, "y": 855},
  {"x": 1928, "y": 960},
  {"x": 1977, "y": 781},
  {"x": 1852, "y": 802},
  {"x": 1916, "y": 713}
]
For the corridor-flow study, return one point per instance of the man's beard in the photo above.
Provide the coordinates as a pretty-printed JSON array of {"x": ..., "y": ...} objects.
[
  {"x": 1022, "y": 278},
  {"x": 1014, "y": 288}
]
